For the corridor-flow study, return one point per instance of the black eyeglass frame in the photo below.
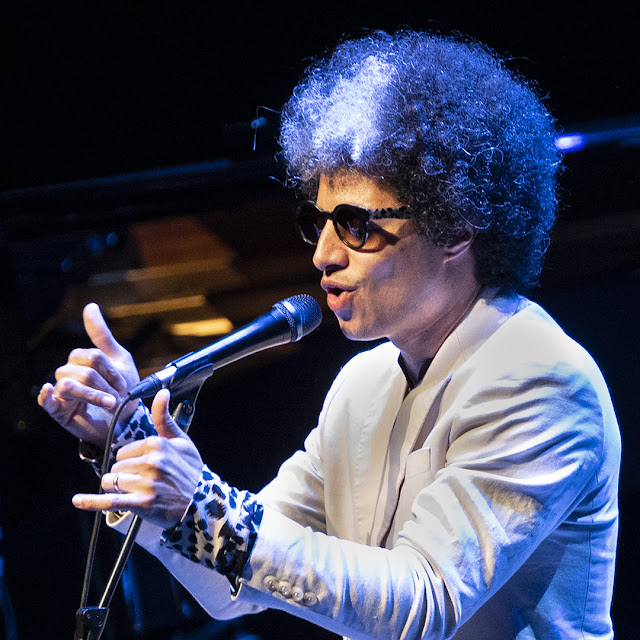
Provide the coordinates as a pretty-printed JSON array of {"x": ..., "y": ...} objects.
[{"x": 340, "y": 216}]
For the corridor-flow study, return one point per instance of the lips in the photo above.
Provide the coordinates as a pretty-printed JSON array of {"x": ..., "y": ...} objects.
[{"x": 337, "y": 297}]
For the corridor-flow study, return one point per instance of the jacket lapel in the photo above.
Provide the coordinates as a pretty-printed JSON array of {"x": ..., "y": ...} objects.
[
  {"x": 369, "y": 451},
  {"x": 394, "y": 423},
  {"x": 414, "y": 414}
]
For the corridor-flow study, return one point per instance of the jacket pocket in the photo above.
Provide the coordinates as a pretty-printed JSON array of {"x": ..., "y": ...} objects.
[
  {"x": 418, "y": 462},
  {"x": 418, "y": 475}
]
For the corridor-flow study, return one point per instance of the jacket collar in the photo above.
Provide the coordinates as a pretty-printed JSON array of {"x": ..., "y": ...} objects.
[{"x": 491, "y": 309}]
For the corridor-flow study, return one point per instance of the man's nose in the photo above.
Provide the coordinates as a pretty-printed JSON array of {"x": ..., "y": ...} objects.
[{"x": 330, "y": 250}]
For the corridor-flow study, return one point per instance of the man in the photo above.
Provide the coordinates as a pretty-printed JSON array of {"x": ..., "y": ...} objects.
[{"x": 462, "y": 479}]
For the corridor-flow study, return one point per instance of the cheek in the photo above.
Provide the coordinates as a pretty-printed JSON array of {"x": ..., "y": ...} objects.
[
  {"x": 387, "y": 272},
  {"x": 400, "y": 277}
]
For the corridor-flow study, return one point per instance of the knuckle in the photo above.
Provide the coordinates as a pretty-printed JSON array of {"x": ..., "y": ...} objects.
[
  {"x": 147, "y": 501},
  {"x": 87, "y": 377},
  {"x": 153, "y": 490},
  {"x": 61, "y": 372},
  {"x": 154, "y": 461},
  {"x": 76, "y": 354},
  {"x": 94, "y": 357},
  {"x": 155, "y": 443},
  {"x": 64, "y": 385},
  {"x": 149, "y": 488}
]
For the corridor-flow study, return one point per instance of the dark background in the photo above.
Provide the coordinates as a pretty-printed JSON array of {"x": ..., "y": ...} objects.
[{"x": 124, "y": 122}]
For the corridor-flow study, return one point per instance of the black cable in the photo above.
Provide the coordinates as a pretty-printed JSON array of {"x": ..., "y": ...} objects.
[{"x": 93, "y": 542}]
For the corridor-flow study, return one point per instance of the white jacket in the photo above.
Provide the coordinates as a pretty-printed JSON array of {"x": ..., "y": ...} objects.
[{"x": 481, "y": 505}]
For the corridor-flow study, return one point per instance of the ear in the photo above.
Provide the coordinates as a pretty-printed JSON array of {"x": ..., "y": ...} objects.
[{"x": 462, "y": 246}]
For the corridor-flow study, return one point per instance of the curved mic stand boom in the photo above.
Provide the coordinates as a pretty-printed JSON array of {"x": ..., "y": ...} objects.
[{"x": 90, "y": 620}]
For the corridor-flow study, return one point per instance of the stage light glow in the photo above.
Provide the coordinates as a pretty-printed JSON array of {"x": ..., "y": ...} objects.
[
  {"x": 570, "y": 142},
  {"x": 157, "y": 306},
  {"x": 202, "y": 328}
]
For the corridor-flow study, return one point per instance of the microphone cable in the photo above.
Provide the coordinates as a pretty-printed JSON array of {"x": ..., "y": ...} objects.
[{"x": 97, "y": 521}]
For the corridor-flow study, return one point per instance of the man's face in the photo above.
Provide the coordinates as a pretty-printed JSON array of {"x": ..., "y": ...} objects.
[{"x": 395, "y": 285}]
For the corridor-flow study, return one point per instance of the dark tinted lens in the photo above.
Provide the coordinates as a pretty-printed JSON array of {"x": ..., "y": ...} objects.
[
  {"x": 310, "y": 221},
  {"x": 352, "y": 224}
]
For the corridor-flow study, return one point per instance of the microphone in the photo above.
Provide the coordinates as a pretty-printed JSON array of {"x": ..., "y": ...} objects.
[{"x": 287, "y": 321}]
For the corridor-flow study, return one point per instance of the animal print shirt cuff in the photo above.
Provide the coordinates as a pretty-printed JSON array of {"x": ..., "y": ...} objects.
[
  {"x": 139, "y": 427},
  {"x": 219, "y": 528}
]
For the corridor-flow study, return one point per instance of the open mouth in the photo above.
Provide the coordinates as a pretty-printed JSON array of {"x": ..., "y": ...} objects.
[{"x": 337, "y": 298}]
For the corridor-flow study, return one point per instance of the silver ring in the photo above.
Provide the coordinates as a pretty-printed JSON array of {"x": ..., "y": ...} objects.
[{"x": 116, "y": 488}]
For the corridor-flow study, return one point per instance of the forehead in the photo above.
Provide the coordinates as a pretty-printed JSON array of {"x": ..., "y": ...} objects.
[{"x": 357, "y": 189}]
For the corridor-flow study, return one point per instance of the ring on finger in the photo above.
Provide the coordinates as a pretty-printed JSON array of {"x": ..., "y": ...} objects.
[{"x": 116, "y": 488}]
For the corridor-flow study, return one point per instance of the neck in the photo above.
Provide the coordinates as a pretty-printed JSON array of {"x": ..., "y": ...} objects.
[{"x": 423, "y": 346}]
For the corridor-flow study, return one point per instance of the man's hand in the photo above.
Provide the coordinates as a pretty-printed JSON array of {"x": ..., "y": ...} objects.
[
  {"x": 154, "y": 478},
  {"x": 92, "y": 382}
]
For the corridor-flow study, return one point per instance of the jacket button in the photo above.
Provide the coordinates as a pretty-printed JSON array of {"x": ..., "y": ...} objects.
[
  {"x": 297, "y": 594},
  {"x": 284, "y": 588},
  {"x": 271, "y": 583},
  {"x": 309, "y": 599}
]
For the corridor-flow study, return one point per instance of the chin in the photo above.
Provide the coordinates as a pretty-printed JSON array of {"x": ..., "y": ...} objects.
[{"x": 358, "y": 334}]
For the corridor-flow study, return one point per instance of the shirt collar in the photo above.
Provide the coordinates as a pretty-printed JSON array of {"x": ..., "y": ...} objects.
[{"x": 411, "y": 383}]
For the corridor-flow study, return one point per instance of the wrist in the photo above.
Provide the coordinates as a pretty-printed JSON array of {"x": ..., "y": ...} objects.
[{"x": 219, "y": 527}]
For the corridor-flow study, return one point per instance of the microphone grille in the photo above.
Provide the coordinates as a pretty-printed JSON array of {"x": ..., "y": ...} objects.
[{"x": 303, "y": 314}]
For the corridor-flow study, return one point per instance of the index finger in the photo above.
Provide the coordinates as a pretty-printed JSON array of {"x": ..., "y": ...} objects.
[
  {"x": 138, "y": 448},
  {"x": 83, "y": 364},
  {"x": 106, "y": 501}
]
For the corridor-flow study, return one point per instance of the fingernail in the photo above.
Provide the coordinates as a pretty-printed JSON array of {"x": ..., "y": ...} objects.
[
  {"x": 108, "y": 402},
  {"x": 77, "y": 501}
]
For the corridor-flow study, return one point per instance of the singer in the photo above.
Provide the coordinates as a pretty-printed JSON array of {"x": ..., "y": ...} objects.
[{"x": 462, "y": 479}]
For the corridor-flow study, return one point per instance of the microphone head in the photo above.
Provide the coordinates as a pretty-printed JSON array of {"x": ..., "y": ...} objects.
[{"x": 303, "y": 314}]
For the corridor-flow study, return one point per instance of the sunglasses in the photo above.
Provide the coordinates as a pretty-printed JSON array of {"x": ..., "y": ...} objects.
[{"x": 349, "y": 221}]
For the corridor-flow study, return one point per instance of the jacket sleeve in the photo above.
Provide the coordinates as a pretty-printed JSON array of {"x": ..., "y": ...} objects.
[{"x": 297, "y": 491}]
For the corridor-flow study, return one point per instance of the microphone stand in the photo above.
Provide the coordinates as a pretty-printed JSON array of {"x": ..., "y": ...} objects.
[{"x": 90, "y": 621}]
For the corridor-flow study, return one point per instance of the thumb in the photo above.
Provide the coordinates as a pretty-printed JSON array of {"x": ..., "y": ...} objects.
[
  {"x": 163, "y": 422},
  {"x": 99, "y": 332}
]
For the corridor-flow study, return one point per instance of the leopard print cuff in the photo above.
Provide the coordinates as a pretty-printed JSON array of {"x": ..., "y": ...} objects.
[
  {"x": 139, "y": 427},
  {"x": 219, "y": 528}
]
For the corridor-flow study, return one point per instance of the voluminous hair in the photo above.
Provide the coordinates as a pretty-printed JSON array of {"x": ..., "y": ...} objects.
[{"x": 462, "y": 140}]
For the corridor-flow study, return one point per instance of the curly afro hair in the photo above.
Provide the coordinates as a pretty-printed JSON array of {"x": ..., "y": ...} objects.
[{"x": 462, "y": 140}]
